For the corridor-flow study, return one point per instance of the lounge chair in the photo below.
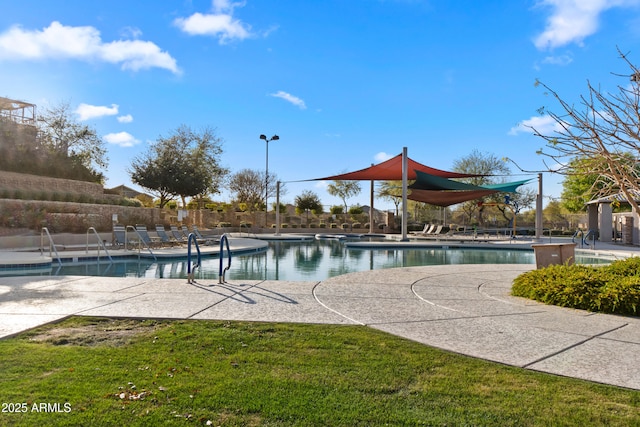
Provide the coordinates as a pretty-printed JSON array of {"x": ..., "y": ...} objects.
[
  {"x": 428, "y": 229},
  {"x": 197, "y": 232},
  {"x": 144, "y": 235},
  {"x": 164, "y": 237},
  {"x": 119, "y": 237},
  {"x": 178, "y": 235},
  {"x": 207, "y": 240}
]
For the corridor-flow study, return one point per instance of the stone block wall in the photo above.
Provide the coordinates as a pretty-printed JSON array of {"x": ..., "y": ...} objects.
[{"x": 34, "y": 183}]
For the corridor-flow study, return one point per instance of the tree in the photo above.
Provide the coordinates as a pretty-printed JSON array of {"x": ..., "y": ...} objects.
[
  {"x": 248, "y": 185},
  {"x": 602, "y": 131},
  {"x": 485, "y": 165},
  {"x": 184, "y": 164},
  {"x": 555, "y": 214},
  {"x": 308, "y": 201},
  {"x": 344, "y": 190},
  {"x": 202, "y": 174},
  {"x": 70, "y": 144},
  {"x": 391, "y": 190},
  {"x": 578, "y": 188}
]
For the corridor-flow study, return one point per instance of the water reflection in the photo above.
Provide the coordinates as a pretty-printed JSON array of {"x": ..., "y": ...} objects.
[{"x": 308, "y": 260}]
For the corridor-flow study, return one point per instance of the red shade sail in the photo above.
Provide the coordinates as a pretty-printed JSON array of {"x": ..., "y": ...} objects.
[{"x": 391, "y": 170}]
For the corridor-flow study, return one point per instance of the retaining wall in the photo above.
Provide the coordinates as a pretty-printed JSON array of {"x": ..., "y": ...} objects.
[{"x": 34, "y": 183}]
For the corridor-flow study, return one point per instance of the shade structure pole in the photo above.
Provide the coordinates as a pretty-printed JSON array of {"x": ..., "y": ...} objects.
[
  {"x": 539, "y": 229},
  {"x": 278, "y": 208},
  {"x": 405, "y": 172},
  {"x": 371, "y": 208}
]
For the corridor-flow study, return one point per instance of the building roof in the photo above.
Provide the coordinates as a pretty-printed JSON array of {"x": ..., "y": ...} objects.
[
  {"x": 12, "y": 104},
  {"x": 619, "y": 197}
]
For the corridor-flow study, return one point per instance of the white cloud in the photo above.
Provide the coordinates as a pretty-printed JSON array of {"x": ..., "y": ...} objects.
[
  {"x": 58, "y": 41},
  {"x": 128, "y": 118},
  {"x": 321, "y": 184},
  {"x": 561, "y": 60},
  {"x": 290, "y": 98},
  {"x": 545, "y": 125},
  {"x": 571, "y": 21},
  {"x": 123, "y": 139},
  {"x": 86, "y": 111},
  {"x": 382, "y": 156},
  {"x": 220, "y": 23}
]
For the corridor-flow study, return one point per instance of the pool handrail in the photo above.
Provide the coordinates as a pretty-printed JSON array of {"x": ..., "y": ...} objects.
[
  {"x": 191, "y": 270},
  {"x": 52, "y": 246},
  {"x": 100, "y": 244},
  {"x": 140, "y": 241},
  {"x": 224, "y": 239},
  {"x": 590, "y": 233}
]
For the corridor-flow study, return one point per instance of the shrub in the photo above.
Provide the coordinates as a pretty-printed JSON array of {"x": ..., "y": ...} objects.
[{"x": 613, "y": 288}]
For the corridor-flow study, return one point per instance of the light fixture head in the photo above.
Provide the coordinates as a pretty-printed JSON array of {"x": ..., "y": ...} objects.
[
  {"x": 275, "y": 137},
  {"x": 263, "y": 137}
]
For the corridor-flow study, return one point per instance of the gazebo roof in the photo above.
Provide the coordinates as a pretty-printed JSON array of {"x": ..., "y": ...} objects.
[{"x": 619, "y": 197}]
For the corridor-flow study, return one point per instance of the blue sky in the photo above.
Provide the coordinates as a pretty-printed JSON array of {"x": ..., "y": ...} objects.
[{"x": 344, "y": 83}]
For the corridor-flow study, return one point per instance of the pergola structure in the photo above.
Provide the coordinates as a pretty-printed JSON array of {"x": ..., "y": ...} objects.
[
  {"x": 18, "y": 111},
  {"x": 600, "y": 217}
]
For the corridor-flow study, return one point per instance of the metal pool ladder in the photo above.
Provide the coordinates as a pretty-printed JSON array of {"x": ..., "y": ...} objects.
[
  {"x": 224, "y": 240},
  {"x": 191, "y": 269}
]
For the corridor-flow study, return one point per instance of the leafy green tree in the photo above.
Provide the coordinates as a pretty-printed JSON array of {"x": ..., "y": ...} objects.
[
  {"x": 392, "y": 191},
  {"x": 578, "y": 188},
  {"x": 344, "y": 190},
  {"x": 583, "y": 184},
  {"x": 306, "y": 202},
  {"x": 185, "y": 164},
  {"x": 336, "y": 210}
]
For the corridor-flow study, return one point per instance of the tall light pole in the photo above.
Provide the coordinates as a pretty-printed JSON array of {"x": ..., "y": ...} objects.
[{"x": 266, "y": 177}]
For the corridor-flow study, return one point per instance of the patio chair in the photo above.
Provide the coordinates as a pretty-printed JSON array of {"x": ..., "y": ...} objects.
[
  {"x": 207, "y": 240},
  {"x": 146, "y": 239},
  {"x": 178, "y": 235},
  {"x": 428, "y": 229},
  {"x": 119, "y": 237},
  {"x": 437, "y": 230},
  {"x": 186, "y": 232},
  {"x": 164, "y": 237}
]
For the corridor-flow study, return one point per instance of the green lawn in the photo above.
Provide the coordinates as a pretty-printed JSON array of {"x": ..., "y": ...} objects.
[{"x": 128, "y": 373}]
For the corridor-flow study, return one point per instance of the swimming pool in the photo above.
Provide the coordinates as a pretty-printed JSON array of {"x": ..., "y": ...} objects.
[{"x": 310, "y": 260}]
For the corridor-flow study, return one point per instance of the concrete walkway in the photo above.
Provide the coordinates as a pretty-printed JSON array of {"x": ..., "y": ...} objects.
[{"x": 466, "y": 309}]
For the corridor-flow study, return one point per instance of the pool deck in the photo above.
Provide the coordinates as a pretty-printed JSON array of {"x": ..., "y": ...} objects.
[{"x": 465, "y": 309}]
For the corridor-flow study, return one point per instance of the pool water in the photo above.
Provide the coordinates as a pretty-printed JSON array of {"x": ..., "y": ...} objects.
[{"x": 306, "y": 261}]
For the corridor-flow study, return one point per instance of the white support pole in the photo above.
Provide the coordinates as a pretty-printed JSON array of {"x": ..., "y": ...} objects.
[
  {"x": 539, "y": 229},
  {"x": 405, "y": 166}
]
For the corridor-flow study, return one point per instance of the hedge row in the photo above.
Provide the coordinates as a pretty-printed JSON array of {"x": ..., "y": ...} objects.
[{"x": 613, "y": 288}]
